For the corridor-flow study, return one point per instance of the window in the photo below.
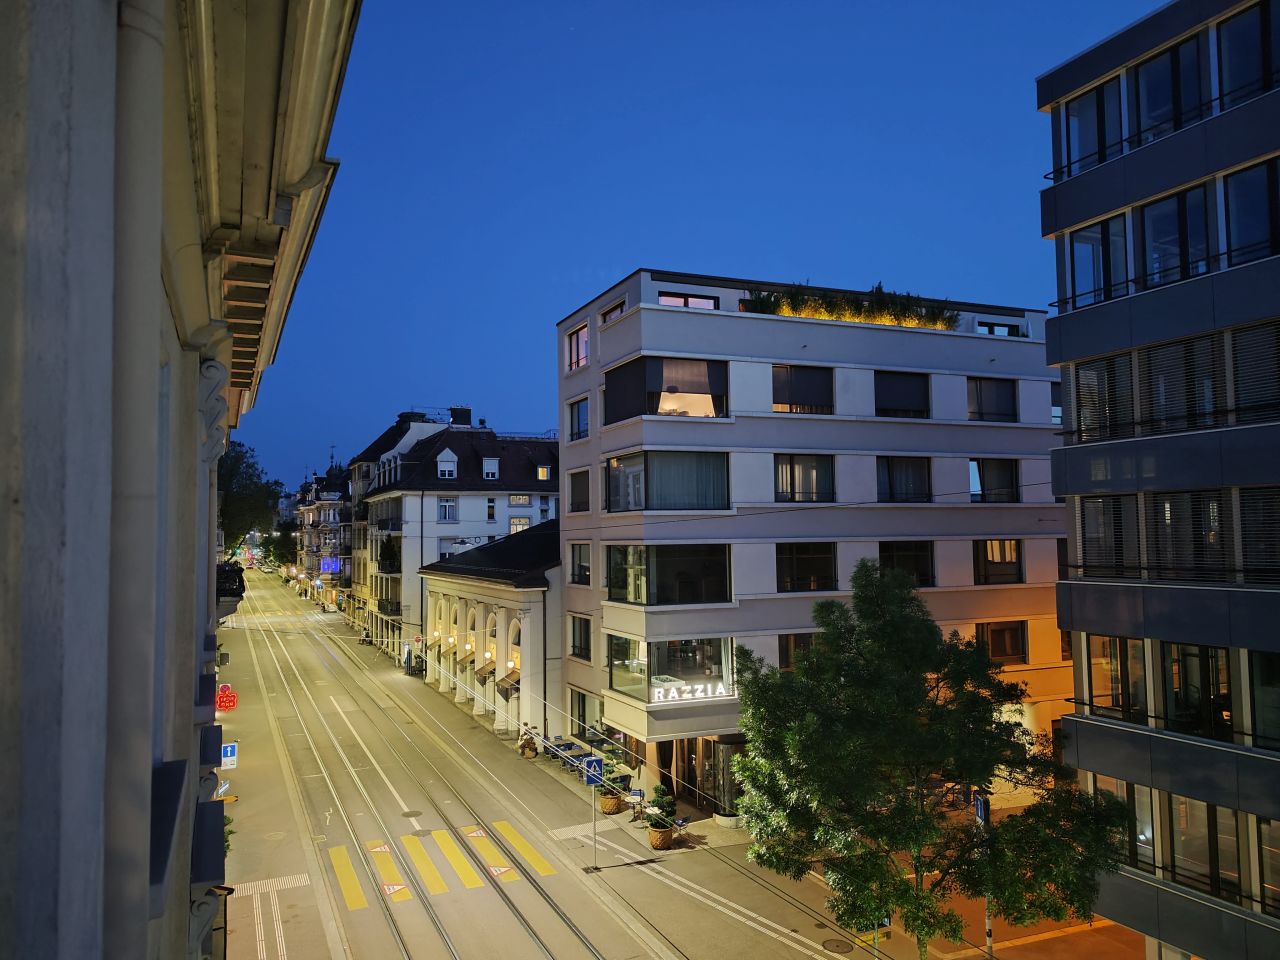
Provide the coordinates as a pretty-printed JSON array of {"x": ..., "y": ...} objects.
[
  {"x": 993, "y": 481},
  {"x": 1093, "y": 127},
  {"x": 1204, "y": 848},
  {"x": 627, "y": 667},
  {"x": 1256, "y": 357},
  {"x": 447, "y": 469},
  {"x": 694, "y": 300},
  {"x": 804, "y": 567},
  {"x": 1175, "y": 239},
  {"x": 580, "y": 637},
  {"x": 1269, "y": 862},
  {"x": 1264, "y": 679},
  {"x": 613, "y": 313},
  {"x": 447, "y": 509},
  {"x": 1182, "y": 385},
  {"x": 993, "y": 329},
  {"x": 1188, "y": 535},
  {"x": 660, "y": 672},
  {"x": 1242, "y": 57},
  {"x": 902, "y": 395},
  {"x": 804, "y": 478},
  {"x": 518, "y": 524},
  {"x": 544, "y": 473},
  {"x": 1168, "y": 91},
  {"x": 903, "y": 480},
  {"x": 580, "y": 491},
  {"x": 1005, "y": 641},
  {"x": 580, "y": 563},
  {"x": 1104, "y": 398},
  {"x": 997, "y": 562},
  {"x": 802, "y": 389},
  {"x": 669, "y": 574},
  {"x": 576, "y": 342},
  {"x": 520, "y": 499},
  {"x": 790, "y": 644},
  {"x": 579, "y": 419},
  {"x": 1109, "y": 536},
  {"x": 1064, "y": 564},
  {"x": 1253, "y": 214},
  {"x": 491, "y": 468},
  {"x": 1055, "y": 402},
  {"x": 1141, "y": 831},
  {"x": 1117, "y": 678},
  {"x": 992, "y": 399},
  {"x": 667, "y": 480},
  {"x": 1197, "y": 690},
  {"x": 912, "y": 557},
  {"x": 586, "y": 711},
  {"x": 668, "y": 387},
  {"x": 491, "y": 510},
  {"x": 1065, "y": 651},
  {"x": 1099, "y": 262}
]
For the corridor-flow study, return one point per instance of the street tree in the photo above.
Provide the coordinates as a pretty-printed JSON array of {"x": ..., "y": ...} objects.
[
  {"x": 862, "y": 759},
  {"x": 248, "y": 497},
  {"x": 282, "y": 546}
]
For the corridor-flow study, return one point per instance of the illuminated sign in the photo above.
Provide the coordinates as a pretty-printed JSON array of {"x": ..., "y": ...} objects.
[
  {"x": 227, "y": 699},
  {"x": 687, "y": 691},
  {"x": 330, "y": 565}
]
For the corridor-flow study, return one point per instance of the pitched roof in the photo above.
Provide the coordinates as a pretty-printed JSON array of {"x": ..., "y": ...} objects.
[
  {"x": 520, "y": 560},
  {"x": 388, "y": 438},
  {"x": 518, "y": 461}
]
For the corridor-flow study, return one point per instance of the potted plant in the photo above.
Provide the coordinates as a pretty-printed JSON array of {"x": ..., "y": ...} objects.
[
  {"x": 661, "y": 817},
  {"x": 612, "y": 791}
]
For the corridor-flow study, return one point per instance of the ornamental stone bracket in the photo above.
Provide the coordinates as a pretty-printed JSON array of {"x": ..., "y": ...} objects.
[
  {"x": 213, "y": 411},
  {"x": 204, "y": 911}
]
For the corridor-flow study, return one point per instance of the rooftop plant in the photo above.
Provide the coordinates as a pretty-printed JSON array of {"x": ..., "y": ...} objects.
[{"x": 876, "y": 306}]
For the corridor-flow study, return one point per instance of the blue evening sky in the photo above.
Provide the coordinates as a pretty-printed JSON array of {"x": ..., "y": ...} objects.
[{"x": 503, "y": 162}]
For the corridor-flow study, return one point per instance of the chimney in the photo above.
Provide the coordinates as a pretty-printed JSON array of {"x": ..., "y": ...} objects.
[
  {"x": 411, "y": 416},
  {"x": 460, "y": 416},
  {"x": 482, "y": 423}
]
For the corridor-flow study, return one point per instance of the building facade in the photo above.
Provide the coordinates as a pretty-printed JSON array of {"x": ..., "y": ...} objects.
[
  {"x": 324, "y": 536},
  {"x": 1163, "y": 208},
  {"x": 731, "y": 449}
]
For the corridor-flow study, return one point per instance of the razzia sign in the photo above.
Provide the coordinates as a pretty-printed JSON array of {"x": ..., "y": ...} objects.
[{"x": 690, "y": 691}]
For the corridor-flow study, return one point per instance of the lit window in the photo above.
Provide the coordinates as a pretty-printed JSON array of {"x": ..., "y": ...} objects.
[
  {"x": 577, "y": 344},
  {"x": 519, "y": 523},
  {"x": 544, "y": 473},
  {"x": 519, "y": 500}
]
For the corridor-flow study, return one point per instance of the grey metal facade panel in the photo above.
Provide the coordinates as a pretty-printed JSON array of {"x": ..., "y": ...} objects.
[
  {"x": 1192, "y": 770},
  {"x": 1092, "y": 332},
  {"x": 1179, "y": 614},
  {"x": 1107, "y": 608},
  {"x": 1262, "y": 940},
  {"x": 1129, "y": 901},
  {"x": 1254, "y": 614},
  {"x": 1258, "y": 777},
  {"x": 1184, "y": 461},
  {"x": 1248, "y": 293},
  {"x": 1250, "y": 455},
  {"x": 1111, "y": 749}
]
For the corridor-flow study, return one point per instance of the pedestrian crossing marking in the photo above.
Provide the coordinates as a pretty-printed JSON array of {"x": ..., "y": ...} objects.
[
  {"x": 347, "y": 880},
  {"x": 524, "y": 848},
  {"x": 426, "y": 869},
  {"x": 498, "y": 865},
  {"x": 457, "y": 859},
  {"x": 392, "y": 882}
]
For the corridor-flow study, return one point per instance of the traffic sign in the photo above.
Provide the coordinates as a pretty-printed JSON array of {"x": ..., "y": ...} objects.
[
  {"x": 981, "y": 807},
  {"x": 227, "y": 699},
  {"x": 593, "y": 767},
  {"x": 229, "y": 758}
]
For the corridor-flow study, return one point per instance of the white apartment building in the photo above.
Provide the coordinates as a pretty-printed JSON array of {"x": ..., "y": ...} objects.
[
  {"x": 443, "y": 489},
  {"x": 726, "y": 463}
]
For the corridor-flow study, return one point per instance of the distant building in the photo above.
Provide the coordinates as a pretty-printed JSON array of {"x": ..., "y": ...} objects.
[{"x": 324, "y": 535}]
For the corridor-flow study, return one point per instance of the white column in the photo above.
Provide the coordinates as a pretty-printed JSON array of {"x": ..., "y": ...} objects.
[
  {"x": 502, "y": 722},
  {"x": 479, "y": 692}
]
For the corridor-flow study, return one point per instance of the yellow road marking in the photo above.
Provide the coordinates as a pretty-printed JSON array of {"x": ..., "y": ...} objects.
[
  {"x": 498, "y": 866},
  {"x": 457, "y": 859},
  {"x": 426, "y": 869},
  {"x": 393, "y": 884},
  {"x": 524, "y": 848},
  {"x": 347, "y": 881}
]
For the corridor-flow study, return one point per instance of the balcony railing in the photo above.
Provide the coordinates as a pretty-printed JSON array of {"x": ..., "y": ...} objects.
[
  {"x": 389, "y": 523},
  {"x": 389, "y": 608}
]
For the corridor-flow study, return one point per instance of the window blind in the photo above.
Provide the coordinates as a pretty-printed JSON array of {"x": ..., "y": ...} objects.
[
  {"x": 1255, "y": 359},
  {"x": 1109, "y": 536},
  {"x": 1182, "y": 385},
  {"x": 1260, "y": 534},
  {"x": 1103, "y": 398},
  {"x": 1189, "y": 535}
]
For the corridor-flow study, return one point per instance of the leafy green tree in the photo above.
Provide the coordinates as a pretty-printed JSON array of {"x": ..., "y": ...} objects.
[
  {"x": 281, "y": 547},
  {"x": 389, "y": 555},
  {"x": 248, "y": 499},
  {"x": 862, "y": 759}
]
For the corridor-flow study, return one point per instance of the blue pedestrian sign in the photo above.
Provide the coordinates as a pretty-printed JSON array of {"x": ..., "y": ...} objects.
[
  {"x": 981, "y": 807},
  {"x": 593, "y": 768},
  {"x": 229, "y": 756}
]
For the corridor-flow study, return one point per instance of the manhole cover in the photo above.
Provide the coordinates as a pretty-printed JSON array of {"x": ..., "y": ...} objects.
[
  {"x": 274, "y": 835},
  {"x": 837, "y": 946},
  {"x": 411, "y": 813}
]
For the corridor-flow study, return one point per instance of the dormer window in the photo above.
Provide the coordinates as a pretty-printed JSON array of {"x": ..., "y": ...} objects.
[
  {"x": 544, "y": 473},
  {"x": 491, "y": 468},
  {"x": 447, "y": 465}
]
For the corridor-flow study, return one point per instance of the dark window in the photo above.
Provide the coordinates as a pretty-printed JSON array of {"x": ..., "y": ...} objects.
[
  {"x": 804, "y": 478},
  {"x": 666, "y": 386},
  {"x": 580, "y": 637},
  {"x": 993, "y": 329},
  {"x": 1005, "y": 641},
  {"x": 1269, "y": 861},
  {"x": 1182, "y": 385},
  {"x": 1141, "y": 831},
  {"x": 614, "y": 312},
  {"x": 491, "y": 510},
  {"x": 903, "y": 480},
  {"x": 580, "y": 563},
  {"x": 1065, "y": 652},
  {"x": 668, "y": 480},
  {"x": 1064, "y": 564},
  {"x": 1260, "y": 534},
  {"x": 1175, "y": 238},
  {"x": 1197, "y": 690},
  {"x": 580, "y": 492},
  {"x": 1244, "y": 68},
  {"x": 1168, "y": 88},
  {"x": 1188, "y": 535},
  {"x": 902, "y": 394},
  {"x": 579, "y": 419},
  {"x": 790, "y": 644},
  {"x": 993, "y": 481},
  {"x": 694, "y": 300},
  {"x": 669, "y": 574},
  {"x": 1264, "y": 679},
  {"x": 1055, "y": 402},
  {"x": 912, "y": 557},
  {"x": 1104, "y": 398},
  {"x": 1093, "y": 127},
  {"x": 577, "y": 347},
  {"x": 1255, "y": 358},
  {"x": 806, "y": 566},
  {"x": 1204, "y": 848},
  {"x": 802, "y": 389},
  {"x": 1253, "y": 214},
  {"x": 1117, "y": 678},
  {"x": 1109, "y": 536},
  {"x": 997, "y": 561},
  {"x": 1099, "y": 262},
  {"x": 993, "y": 399}
]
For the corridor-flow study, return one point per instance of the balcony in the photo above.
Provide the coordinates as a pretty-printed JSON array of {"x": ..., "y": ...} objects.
[
  {"x": 389, "y": 608},
  {"x": 389, "y": 524}
]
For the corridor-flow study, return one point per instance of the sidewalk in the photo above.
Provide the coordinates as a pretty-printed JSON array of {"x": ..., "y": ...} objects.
[{"x": 709, "y": 869}]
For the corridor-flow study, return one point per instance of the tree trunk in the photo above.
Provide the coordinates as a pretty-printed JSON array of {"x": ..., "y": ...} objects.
[{"x": 923, "y": 946}]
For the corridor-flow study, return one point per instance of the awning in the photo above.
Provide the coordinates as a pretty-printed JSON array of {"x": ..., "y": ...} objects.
[
  {"x": 509, "y": 685},
  {"x": 434, "y": 641},
  {"x": 465, "y": 657},
  {"x": 485, "y": 670}
]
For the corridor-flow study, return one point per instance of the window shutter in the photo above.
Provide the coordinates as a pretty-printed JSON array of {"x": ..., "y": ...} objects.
[
  {"x": 1103, "y": 398},
  {"x": 1256, "y": 357},
  {"x": 1189, "y": 535},
  {"x": 1260, "y": 534},
  {"x": 1182, "y": 385},
  {"x": 1109, "y": 536}
]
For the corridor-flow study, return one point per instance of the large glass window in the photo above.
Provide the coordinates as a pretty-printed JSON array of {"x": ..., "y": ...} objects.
[
  {"x": 1197, "y": 690},
  {"x": 580, "y": 637},
  {"x": 1260, "y": 534},
  {"x": 903, "y": 480},
  {"x": 1204, "y": 849},
  {"x": 576, "y": 345},
  {"x": 993, "y": 481},
  {"x": 912, "y": 557},
  {"x": 1269, "y": 861},
  {"x": 1109, "y": 536},
  {"x": 1188, "y": 535},
  {"x": 993, "y": 399},
  {"x": 1264, "y": 681},
  {"x": 1005, "y": 641},
  {"x": 694, "y": 300},
  {"x": 802, "y": 389},
  {"x": 804, "y": 478},
  {"x": 664, "y": 671},
  {"x": 580, "y": 491},
  {"x": 1169, "y": 91},
  {"x": 627, "y": 667},
  {"x": 666, "y": 386},
  {"x": 1242, "y": 57},
  {"x": 1252, "y": 228},
  {"x": 1182, "y": 385},
  {"x": 1099, "y": 262},
  {"x": 668, "y": 480},
  {"x": 1104, "y": 398},
  {"x": 902, "y": 394},
  {"x": 580, "y": 563},
  {"x": 806, "y": 566},
  {"x": 1175, "y": 239},
  {"x": 1141, "y": 831},
  {"x": 1093, "y": 127},
  {"x": 587, "y": 712},
  {"x": 669, "y": 574},
  {"x": 1117, "y": 678},
  {"x": 997, "y": 562},
  {"x": 579, "y": 419}
]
